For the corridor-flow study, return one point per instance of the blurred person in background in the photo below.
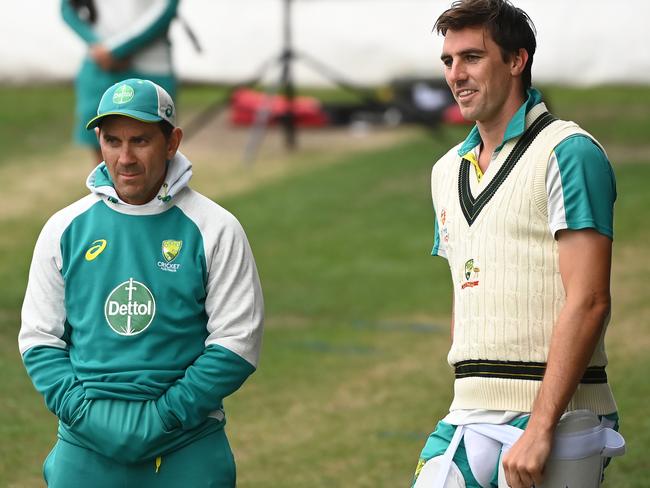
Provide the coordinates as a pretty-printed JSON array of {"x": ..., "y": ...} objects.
[
  {"x": 143, "y": 311},
  {"x": 524, "y": 217},
  {"x": 124, "y": 39}
]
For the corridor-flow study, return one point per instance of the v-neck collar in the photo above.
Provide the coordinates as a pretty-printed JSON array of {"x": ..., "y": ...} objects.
[{"x": 538, "y": 119}]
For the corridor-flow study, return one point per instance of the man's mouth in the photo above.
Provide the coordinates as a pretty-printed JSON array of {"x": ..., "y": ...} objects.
[{"x": 464, "y": 93}]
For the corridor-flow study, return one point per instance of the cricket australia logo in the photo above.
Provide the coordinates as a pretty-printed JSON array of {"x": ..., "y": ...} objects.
[
  {"x": 170, "y": 250},
  {"x": 444, "y": 231},
  {"x": 470, "y": 274},
  {"x": 130, "y": 308}
]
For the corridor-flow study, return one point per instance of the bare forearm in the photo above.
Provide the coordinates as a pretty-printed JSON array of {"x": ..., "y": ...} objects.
[{"x": 574, "y": 339}]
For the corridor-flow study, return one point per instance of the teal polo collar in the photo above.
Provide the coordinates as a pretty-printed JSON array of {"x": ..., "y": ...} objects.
[{"x": 516, "y": 126}]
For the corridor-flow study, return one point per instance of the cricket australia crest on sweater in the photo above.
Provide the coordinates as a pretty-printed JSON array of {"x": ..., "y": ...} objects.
[
  {"x": 470, "y": 274},
  {"x": 130, "y": 308}
]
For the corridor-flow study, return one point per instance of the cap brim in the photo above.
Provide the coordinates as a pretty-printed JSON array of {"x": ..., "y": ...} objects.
[{"x": 133, "y": 114}]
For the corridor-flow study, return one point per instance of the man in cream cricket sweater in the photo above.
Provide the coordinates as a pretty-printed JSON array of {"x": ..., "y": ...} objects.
[{"x": 524, "y": 210}]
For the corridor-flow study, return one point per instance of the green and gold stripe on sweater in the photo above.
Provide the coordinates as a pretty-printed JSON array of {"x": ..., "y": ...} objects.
[{"x": 519, "y": 370}]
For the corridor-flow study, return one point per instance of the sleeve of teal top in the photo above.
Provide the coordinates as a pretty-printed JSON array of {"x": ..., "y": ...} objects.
[
  {"x": 133, "y": 431},
  {"x": 122, "y": 430},
  {"x": 215, "y": 374},
  {"x": 71, "y": 18},
  {"x": 143, "y": 33},
  {"x": 581, "y": 187},
  {"x": 53, "y": 377},
  {"x": 43, "y": 337}
]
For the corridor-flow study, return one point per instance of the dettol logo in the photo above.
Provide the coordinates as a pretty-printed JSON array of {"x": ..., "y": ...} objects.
[{"x": 130, "y": 308}]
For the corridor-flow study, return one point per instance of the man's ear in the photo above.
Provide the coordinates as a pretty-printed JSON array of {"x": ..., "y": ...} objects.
[
  {"x": 174, "y": 142},
  {"x": 518, "y": 62},
  {"x": 97, "y": 132}
]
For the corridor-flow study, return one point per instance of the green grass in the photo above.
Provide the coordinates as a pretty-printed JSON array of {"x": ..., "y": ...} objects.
[
  {"x": 613, "y": 114},
  {"x": 353, "y": 373},
  {"x": 34, "y": 120},
  {"x": 355, "y": 233}
]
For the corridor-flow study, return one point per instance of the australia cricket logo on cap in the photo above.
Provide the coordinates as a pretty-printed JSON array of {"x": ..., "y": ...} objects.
[
  {"x": 170, "y": 250},
  {"x": 123, "y": 94},
  {"x": 130, "y": 308}
]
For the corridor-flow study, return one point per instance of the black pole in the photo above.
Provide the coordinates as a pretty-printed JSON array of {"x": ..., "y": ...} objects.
[{"x": 288, "y": 118}]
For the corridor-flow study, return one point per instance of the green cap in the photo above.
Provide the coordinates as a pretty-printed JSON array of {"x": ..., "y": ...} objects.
[{"x": 139, "y": 99}]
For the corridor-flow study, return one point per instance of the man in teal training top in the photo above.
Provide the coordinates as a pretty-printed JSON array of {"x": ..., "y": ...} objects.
[{"x": 143, "y": 311}]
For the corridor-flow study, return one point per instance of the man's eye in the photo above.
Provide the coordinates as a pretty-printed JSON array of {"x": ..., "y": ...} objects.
[
  {"x": 447, "y": 62},
  {"x": 472, "y": 58}
]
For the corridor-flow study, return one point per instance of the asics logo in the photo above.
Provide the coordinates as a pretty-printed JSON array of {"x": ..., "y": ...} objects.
[{"x": 96, "y": 249}]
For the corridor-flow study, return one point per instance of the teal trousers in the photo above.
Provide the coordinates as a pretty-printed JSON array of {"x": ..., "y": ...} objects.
[{"x": 206, "y": 463}]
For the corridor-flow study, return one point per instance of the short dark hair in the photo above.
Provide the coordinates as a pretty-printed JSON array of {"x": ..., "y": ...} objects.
[
  {"x": 166, "y": 129},
  {"x": 510, "y": 27}
]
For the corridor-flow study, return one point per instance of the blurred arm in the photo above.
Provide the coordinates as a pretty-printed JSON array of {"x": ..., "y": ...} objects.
[{"x": 81, "y": 28}]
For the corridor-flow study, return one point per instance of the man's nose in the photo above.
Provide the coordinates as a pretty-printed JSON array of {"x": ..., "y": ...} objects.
[
  {"x": 456, "y": 72},
  {"x": 126, "y": 154}
]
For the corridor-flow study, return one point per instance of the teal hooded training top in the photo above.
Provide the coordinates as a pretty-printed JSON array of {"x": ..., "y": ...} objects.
[{"x": 138, "y": 320}]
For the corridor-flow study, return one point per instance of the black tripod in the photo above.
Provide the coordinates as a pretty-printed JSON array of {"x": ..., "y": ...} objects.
[{"x": 286, "y": 84}]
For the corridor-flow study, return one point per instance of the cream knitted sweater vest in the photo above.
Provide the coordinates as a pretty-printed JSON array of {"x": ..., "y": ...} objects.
[{"x": 507, "y": 287}]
